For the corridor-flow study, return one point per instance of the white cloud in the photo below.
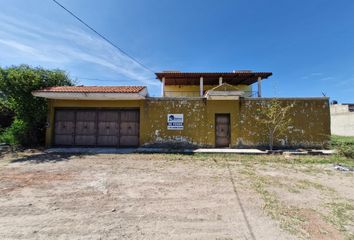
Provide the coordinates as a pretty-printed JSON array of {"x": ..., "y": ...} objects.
[
  {"x": 65, "y": 47},
  {"x": 326, "y": 79},
  {"x": 18, "y": 46},
  {"x": 316, "y": 74},
  {"x": 347, "y": 82},
  {"x": 312, "y": 75}
]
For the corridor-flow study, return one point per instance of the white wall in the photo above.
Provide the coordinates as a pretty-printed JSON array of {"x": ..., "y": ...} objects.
[{"x": 342, "y": 121}]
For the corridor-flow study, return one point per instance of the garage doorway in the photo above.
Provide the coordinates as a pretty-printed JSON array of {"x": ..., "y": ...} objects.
[
  {"x": 222, "y": 130},
  {"x": 96, "y": 127}
]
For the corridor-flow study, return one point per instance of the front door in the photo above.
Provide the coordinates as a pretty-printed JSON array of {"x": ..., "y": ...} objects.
[{"x": 222, "y": 130}]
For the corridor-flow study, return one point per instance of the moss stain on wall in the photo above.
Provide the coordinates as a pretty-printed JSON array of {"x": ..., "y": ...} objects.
[{"x": 310, "y": 123}]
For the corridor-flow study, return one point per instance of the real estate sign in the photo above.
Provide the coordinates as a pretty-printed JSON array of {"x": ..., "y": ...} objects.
[{"x": 175, "y": 121}]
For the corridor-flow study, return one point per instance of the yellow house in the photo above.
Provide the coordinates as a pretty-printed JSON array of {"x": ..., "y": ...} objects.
[{"x": 194, "y": 110}]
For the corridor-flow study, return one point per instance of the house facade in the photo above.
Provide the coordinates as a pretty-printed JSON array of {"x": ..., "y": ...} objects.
[{"x": 194, "y": 110}]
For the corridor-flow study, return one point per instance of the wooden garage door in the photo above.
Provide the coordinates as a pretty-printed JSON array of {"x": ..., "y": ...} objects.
[
  {"x": 129, "y": 128},
  {"x": 108, "y": 128},
  {"x": 85, "y": 128},
  {"x": 96, "y": 127},
  {"x": 64, "y": 127}
]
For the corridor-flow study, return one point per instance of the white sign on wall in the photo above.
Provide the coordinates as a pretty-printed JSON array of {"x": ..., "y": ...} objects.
[{"x": 175, "y": 121}]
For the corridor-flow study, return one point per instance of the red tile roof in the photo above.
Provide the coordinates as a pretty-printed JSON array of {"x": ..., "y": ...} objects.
[{"x": 94, "y": 89}]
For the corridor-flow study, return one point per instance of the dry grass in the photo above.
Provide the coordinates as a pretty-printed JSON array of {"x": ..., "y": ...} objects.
[{"x": 297, "y": 197}]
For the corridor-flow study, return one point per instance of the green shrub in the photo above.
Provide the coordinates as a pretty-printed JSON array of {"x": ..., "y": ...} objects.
[
  {"x": 343, "y": 145},
  {"x": 15, "y": 134},
  {"x": 6, "y": 114},
  {"x": 345, "y": 150},
  {"x": 338, "y": 140},
  {"x": 16, "y": 86}
]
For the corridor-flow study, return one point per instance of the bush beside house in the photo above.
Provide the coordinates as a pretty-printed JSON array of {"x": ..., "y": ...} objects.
[
  {"x": 6, "y": 114},
  {"x": 16, "y": 85},
  {"x": 344, "y": 146}
]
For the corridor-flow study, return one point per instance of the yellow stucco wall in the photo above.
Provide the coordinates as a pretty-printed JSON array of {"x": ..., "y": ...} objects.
[
  {"x": 199, "y": 118},
  {"x": 194, "y": 91},
  {"x": 310, "y": 124},
  {"x": 310, "y": 127}
]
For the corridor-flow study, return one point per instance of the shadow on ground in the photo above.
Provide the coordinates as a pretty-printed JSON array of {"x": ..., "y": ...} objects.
[{"x": 46, "y": 158}]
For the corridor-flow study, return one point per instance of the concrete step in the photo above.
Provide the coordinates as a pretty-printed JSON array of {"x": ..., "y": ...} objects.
[{"x": 185, "y": 151}]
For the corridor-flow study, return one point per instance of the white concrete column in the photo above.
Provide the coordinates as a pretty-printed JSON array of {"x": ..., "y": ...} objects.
[
  {"x": 201, "y": 87},
  {"x": 259, "y": 87},
  {"x": 163, "y": 87},
  {"x": 220, "y": 80}
]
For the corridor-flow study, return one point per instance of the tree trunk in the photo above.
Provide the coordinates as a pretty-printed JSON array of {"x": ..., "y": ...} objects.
[{"x": 271, "y": 141}]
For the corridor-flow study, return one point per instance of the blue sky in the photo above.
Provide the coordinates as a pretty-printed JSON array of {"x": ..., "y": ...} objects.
[{"x": 307, "y": 44}]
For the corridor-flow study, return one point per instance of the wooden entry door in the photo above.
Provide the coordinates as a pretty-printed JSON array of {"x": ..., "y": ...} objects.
[{"x": 222, "y": 130}]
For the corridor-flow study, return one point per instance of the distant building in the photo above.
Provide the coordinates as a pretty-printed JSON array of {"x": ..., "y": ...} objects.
[{"x": 342, "y": 119}]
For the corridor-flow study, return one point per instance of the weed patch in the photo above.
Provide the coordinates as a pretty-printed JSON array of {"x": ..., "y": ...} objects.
[
  {"x": 288, "y": 217},
  {"x": 342, "y": 215}
]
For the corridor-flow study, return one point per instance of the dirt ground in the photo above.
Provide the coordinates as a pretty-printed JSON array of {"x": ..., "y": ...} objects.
[{"x": 160, "y": 196}]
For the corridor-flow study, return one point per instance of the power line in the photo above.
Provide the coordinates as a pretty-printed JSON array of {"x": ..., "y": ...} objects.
[{"x": 104, "y": 38}]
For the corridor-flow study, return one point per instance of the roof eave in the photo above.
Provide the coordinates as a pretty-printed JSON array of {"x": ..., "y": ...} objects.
[
  {"x": 176, "y": 75},
  {"x": 90, "y": 96}
]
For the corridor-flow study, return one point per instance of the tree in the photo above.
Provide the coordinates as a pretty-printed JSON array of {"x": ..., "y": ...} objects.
[
  {"x": 17, "y": 84},
  {"x": 275, "y": 118}
]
